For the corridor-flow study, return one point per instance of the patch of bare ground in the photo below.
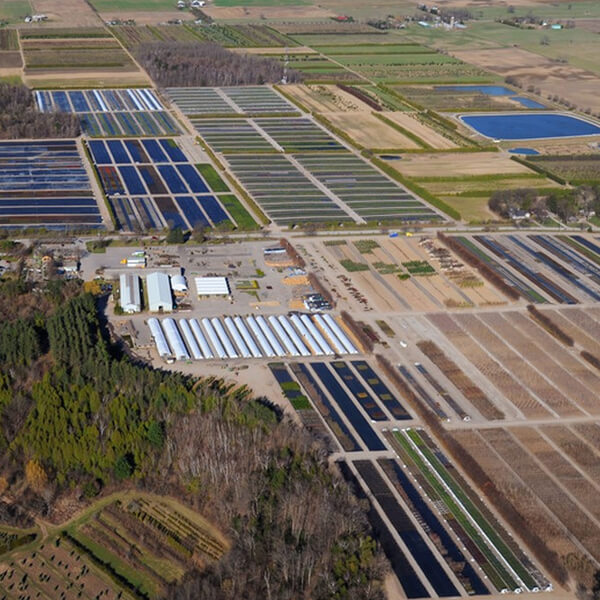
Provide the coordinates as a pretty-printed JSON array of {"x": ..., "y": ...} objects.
[
  {"x": 142, "y": 17},
  {"x": 68, "y": 13},
  {"x": 428, "y": 135},
  {"x": 268, "y": 13}
]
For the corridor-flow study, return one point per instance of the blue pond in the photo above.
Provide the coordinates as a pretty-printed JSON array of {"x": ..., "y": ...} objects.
[
  {"x": 526, "y": 127},
  {"x": 528, "y": 102},
  {"x": 524, "y": 151}
]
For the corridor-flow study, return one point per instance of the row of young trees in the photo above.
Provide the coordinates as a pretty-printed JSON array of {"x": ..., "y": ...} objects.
[
  {"x": 94, "y": 419},
  {"x": 19, "y": 117},
  {"x": 180, "y": 64}
]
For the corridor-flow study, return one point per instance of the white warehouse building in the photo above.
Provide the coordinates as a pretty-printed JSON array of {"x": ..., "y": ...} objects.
[
  {"x": 130, "y": 298},
  {"x": 159, "y": 292}
]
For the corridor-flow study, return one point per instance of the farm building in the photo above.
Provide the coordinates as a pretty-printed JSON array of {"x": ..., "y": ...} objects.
[
  {"x": 179, "y": 284},
  {"x": 212, "y": 286},
  {"x": 130, "y": 300},
  {"x": 159, "y": 292}
]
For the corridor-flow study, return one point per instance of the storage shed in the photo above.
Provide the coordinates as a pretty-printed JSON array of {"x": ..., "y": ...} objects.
[
  {"x": 130, "y": 299},
  {"x": 159, "y": 292},
  {"x": 179, "y": 284}
]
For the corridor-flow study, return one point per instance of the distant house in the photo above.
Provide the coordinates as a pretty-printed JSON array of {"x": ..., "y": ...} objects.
[
  {"x": 130, "y": 298},
  {"x": 519, "y": 215},
  {"x": 159, "y": 292}
]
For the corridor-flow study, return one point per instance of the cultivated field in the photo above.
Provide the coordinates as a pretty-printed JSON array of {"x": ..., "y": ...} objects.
[
  {"x": 547, "y": 486},
  {"x": 429, "y": 136},
  {"x": 326, "y": 98},
  {"x": 368, "y": 131}
]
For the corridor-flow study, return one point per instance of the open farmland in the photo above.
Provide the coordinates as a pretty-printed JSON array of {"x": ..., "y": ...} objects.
[
  {"x": 229, "y": 36},
  {"x": 151, "y": 184},
  {"x": 129, "y": 546},
  {"x": 46, "y": 184},
  {"x": 575, "y": 169},
  {"x": 368, "y": 131}
]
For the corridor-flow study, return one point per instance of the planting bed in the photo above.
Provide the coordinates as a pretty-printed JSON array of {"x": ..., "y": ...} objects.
[
  {"x": 151, "y": 185},
  {"x": 251, "y": 100},
  {"x": 45, "y": 184}
]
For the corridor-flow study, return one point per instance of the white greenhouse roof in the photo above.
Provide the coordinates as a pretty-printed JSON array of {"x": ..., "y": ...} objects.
[{"x": 212, "y": 286}]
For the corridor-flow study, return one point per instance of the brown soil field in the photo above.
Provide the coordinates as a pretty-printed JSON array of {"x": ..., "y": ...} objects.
[
  {"x": 569, "y": 374},
  {"x": 455, "y": 164},
  {"x": 546, "y": 489},
  {"x": 522, "y": 498},
  {"x": 516, "y": 364},
  {"x": 428, "y": 135},
  {"x": 94, "y": 79},
  {"x": 574, "y": 84},
  {"x": 370, "y": 132},
  {"x": 10, "y": 60},
  {"x": 268, "y": 13},
  {"x": 581, "y": 452},
  {"x": 571, "y": 479},
  {"x": 326, "y": 98},
  {"x": 69, "y": 13},
  {"x": 490, "y": 368},
  {"x": 583, "y": 320},
  {"x": 581, "y": 145}
]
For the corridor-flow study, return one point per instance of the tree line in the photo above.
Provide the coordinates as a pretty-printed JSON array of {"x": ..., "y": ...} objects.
[
  {"x": 180, "y": 64},
  {"x": 20, "y": 118}
]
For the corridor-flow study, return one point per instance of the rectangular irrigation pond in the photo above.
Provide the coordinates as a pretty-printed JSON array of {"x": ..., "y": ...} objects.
[
  {"x": 530, "y": 126},
  {"x": 45, "y": 184},
  {"x": 151, "y": 184}
]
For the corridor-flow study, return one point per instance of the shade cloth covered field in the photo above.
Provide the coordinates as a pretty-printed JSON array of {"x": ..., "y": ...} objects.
[{"x": 45, "y": 184}]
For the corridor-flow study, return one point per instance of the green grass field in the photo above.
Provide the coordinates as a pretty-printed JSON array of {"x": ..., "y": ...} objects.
[
  {"x": 14, "y": 10},
  {"x": 260, "y": 2},
  {"x": 142, "y": 5}
]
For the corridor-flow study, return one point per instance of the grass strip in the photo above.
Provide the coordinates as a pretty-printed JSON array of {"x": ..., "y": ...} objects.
[
  {"x": 213, "y": 179},
  {"x": 239, "y": 213}
]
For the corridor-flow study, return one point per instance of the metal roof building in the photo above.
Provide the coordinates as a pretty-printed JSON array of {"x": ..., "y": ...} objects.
[
  {"x": 159, "y": 292},
  {"x": 212, "y": 286},
  {"x": 178, "y": 283},
  {"x": 130, "y": 299}
]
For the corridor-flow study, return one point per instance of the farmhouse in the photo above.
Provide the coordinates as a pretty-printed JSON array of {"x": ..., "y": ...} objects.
[
  {"x": 130, "y": 299},
  {"x": 159, "y": 292}
]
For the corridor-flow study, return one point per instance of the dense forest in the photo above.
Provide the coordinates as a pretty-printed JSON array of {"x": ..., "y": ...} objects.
[
  {"x": 78, "y": 420},
  {"x": 180, "y": 64},
  {"x": 19, "y": 117}
]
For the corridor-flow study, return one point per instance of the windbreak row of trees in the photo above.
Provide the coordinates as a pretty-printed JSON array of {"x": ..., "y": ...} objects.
[
  {"x": 180, "y": 64},
  {"x": 83, "y": 419},
  {"x": 19, "y": 117}
]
